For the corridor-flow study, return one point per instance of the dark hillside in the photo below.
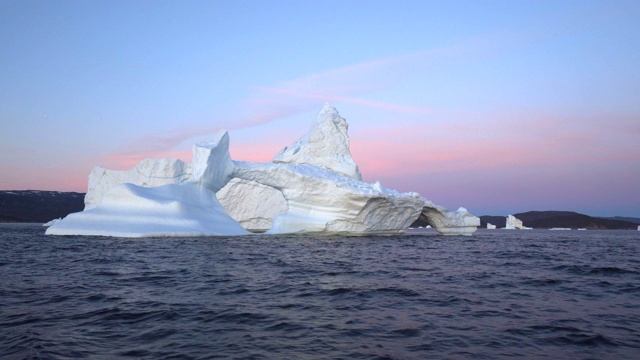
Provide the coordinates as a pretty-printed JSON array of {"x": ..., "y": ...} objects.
[
  {"x": 550, "y": 219},
  {"x": 623, "y": 218},
  {"x": 38, "y": 206},
  {"x": 560, "y": 219},
  {"x": 498, "y": 221}
]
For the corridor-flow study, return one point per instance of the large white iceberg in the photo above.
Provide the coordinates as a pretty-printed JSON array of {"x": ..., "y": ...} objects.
[{"x": 311, "y": 187}]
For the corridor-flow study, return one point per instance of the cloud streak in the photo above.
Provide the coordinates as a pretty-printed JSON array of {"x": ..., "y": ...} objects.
[
  {"x": 318, "y": 97},
  {"x": 347, "y": 84},
  {"x": 350, "y": 84}
]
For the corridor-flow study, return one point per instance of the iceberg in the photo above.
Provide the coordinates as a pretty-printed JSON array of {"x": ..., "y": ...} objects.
[
  {"x": 312, "y": 186},
  {"x": 490, "y": 226},
  {"x": 515, "y": 223}
]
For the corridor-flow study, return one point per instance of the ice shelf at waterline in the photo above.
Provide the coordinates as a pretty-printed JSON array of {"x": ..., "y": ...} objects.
[{"x": 310, "y": 187}]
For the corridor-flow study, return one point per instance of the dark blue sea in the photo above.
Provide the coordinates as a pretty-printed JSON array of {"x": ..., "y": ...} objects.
[{"x": 500, "y": 294}]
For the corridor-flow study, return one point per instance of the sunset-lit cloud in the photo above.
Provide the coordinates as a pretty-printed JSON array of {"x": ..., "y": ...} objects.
[
  {"x": 126, "y": 161},
  {"x": 565, "y": 141}
]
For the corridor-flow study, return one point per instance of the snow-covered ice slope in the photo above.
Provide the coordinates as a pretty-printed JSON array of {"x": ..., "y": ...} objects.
[
  {"x": 186, "y": 209},
  {"x": 147, "y": 173},
  {"x": 129, "y": 210}
]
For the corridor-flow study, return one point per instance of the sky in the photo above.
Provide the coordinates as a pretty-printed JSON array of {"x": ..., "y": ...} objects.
[{"x": 497, "y": 106}]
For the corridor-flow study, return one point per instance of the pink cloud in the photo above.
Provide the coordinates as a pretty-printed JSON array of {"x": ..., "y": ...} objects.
[
  {"x": 125, "y": 161},
  {"x": 239, "y": 152},
  {"x": 533, "y": 140},
  {"x": 163, "y": 145},
  {"x": 425, "y": 149},
  {"x": 24, "y": 177},
  {"x": 254, "y": 152}
]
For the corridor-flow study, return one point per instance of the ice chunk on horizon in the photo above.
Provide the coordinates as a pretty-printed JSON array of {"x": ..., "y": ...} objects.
[{"x": 513, "y": 223}]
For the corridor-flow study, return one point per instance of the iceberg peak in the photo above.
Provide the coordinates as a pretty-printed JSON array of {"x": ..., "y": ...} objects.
[
  {"x": 325, "y": 145},
  {"x": 327, "y": 109}
]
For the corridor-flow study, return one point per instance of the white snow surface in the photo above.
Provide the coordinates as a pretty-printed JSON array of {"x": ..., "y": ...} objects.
[
  {"x": 147, "y": 173},
  {"x": 133, "y": 211}
]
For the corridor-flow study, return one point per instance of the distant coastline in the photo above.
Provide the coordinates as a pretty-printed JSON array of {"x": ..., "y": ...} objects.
[
  {"x": 40, "y": 206},
  {"x": 564, "y": 219}
]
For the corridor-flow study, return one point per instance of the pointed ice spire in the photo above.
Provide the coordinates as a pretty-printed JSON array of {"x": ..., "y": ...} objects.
[{"x": 325, "y": 145}]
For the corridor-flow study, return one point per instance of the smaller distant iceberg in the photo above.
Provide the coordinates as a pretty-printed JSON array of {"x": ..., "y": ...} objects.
[
  {"x": 515, "y": 223},
  {"x": 490, "y": 226}
]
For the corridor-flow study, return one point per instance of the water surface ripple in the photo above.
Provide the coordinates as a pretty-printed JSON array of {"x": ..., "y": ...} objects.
[{"x": 498, "y": 294}]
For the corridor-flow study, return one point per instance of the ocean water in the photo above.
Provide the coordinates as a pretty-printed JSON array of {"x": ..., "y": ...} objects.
[{"x": 499, "y": 294}]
